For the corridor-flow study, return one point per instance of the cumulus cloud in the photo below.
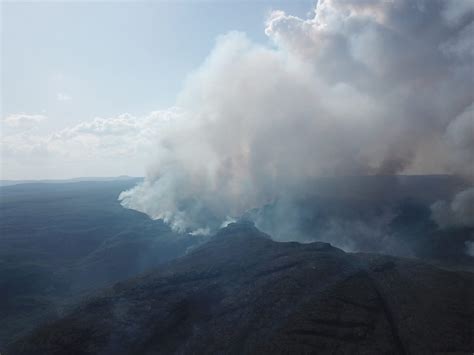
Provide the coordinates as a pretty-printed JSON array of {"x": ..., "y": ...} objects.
[
  {"x": 120, "y": 144},
  {"x": 360, "y": 87},
  {"x": 23, "y": 120}
]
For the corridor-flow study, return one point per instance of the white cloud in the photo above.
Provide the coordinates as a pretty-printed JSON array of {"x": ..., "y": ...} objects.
[
  {"x": 23, "y": 120},
  {"x": 122, "y": 143}
]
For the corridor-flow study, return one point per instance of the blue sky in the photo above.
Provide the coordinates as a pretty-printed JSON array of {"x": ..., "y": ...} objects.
[{"x": 72, "y": 61}]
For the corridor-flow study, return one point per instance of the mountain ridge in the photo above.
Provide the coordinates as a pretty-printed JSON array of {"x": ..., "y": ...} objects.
[{"x": 241, "y": 293}]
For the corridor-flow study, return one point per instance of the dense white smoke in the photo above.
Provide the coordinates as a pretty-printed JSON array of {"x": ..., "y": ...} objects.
[{"x": 361, "y": 87}]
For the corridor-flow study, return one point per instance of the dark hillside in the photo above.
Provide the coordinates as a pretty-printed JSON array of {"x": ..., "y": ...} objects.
[
  {"x": 242, "y": 293},
  {"x": 58, "y": 241}
]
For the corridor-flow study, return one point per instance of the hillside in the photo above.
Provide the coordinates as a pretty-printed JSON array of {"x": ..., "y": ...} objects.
[
  {"x": 242, "y": 293},
  {"x": 60, "y": 241}
]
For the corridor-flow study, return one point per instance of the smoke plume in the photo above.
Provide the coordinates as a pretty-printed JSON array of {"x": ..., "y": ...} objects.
[
  {"x": 359, "y": 88},
  {"x": 459, "y": 212}
]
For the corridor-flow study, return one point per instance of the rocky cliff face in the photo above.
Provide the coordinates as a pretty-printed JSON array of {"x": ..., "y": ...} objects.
[{"x": 242, "y": 293}]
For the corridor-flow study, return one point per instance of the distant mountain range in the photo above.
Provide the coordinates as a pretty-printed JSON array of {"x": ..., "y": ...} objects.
[{"x": 65, "y": 181}]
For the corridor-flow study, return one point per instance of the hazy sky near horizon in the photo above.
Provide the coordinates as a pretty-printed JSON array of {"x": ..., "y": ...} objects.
[{"x": 67, "y": 63}]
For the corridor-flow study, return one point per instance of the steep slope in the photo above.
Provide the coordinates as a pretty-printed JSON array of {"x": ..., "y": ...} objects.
[{"x": 242, "y": 293}]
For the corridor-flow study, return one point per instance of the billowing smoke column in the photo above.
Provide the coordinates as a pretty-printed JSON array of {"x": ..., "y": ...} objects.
[{"x": 362, "y": 87}]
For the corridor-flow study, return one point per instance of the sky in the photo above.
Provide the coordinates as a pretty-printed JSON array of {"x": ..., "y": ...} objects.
[{"x": 65, "y": 64}]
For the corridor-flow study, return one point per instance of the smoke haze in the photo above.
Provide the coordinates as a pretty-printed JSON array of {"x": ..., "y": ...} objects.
[{"x": 459, "y": 212}]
